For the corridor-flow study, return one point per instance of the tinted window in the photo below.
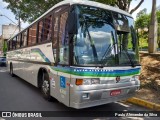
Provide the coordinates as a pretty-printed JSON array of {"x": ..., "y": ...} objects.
[
  {"x": 32, "y": 35},
  {"x": 45, "y": 28},
  {"x": 34, "y": 31},
  {"x": 126, "y": 40},
  {"x": 55, "y": 37},
  {"x": 63, "y": 42},
  {"x": 24, "y": 38},
  {"x": 94, "y": 43},
  {"x": 40, "y": 35}
]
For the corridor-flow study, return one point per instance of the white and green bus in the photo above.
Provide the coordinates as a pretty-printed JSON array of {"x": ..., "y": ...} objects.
[{"x": 82, "y": 53}]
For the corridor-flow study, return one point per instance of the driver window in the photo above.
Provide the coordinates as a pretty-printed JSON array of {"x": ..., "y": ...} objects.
[{"x": 63, "y": 40}]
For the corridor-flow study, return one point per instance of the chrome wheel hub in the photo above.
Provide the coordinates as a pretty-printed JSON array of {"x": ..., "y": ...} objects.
[{"x": 45, "y": 86}]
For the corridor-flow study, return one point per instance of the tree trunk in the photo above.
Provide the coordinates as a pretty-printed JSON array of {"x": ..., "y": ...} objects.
[{"x": 152, "y": 47}]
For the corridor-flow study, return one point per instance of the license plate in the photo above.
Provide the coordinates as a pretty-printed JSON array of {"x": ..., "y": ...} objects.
[{"x": 115, "y": 92}]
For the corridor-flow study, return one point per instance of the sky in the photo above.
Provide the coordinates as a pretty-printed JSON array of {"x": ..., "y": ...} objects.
[
  {"x": 9, "y": 14},
  {"x": 3, "y": 10}
]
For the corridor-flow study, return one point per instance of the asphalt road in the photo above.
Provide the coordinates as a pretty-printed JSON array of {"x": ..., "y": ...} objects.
[{"x": 18, "y": 95}]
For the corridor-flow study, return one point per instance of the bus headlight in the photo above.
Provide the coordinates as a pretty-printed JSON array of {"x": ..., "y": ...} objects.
[
  {"x": 136, "y": 77},
  {"x": 88, "y": 81},
  {"x": 95, "y": 81},
  {"x": 91, "y": 81}
]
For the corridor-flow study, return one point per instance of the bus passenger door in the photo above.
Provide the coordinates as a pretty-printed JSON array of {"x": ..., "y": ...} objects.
[{"x": 61, "y": 55}]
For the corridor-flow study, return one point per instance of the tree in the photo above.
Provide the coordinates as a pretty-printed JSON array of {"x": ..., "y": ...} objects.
[
  {"x": 142, "y": 21},
  {"x": 158, "y": 16},
  {"x": 158, "y": 19},
  {"x": 153, "y": 30},
  {"x": 122, "y": 4},
  {"x": 142, "y": 12},
  {"x": 141, "y": 25},
  {"x": 29, "y": 10},
  {"x": 4, "y": 47}
]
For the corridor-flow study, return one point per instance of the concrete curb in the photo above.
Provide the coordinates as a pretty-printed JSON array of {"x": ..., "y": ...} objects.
[
  {"x": 144, "y": 103},
  {"x": 146, "y": 52}
]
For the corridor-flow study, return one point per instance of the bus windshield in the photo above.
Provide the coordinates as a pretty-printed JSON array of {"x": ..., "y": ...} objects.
[
  {"x": 96, "y": 41},
  {"x": 127, "y": 43}
]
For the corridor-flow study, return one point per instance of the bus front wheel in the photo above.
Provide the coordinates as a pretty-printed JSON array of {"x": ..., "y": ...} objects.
[{"x": 45, "y": 88}]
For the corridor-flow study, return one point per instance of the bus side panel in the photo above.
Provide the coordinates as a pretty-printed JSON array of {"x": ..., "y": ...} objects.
[
  {"x": 17, "y": 64},
  {"x": 60, "y": 88},
  {"x": 27, "y": 62},
  {"x": 39, "y": 56}
]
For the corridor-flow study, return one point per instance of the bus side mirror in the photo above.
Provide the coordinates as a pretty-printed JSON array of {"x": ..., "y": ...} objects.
[{"x": 72, "y": 23}]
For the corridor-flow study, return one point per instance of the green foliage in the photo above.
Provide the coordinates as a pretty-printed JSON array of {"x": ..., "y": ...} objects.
[
  {"x": 158, "y": 20},
  {"x": 108, "y": 2},
  {"x": 4, "y": 47},
  {"x": 29, "y": 10},
  {"x": 158, "y": 38},
  {"x": 122, "y": 4},
  {"x": 142, "y": 21},
  {"x": 158, "y": 16},
  {"x": 142, "y": 12},
  {"x": 143, "y": 44}
]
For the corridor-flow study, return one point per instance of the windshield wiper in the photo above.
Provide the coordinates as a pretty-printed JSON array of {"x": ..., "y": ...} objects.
[
  {"x": 130, "y": 59},
  {"x": 93, "y": 46},
  {"x": 107, "y": 50},
  {"x": 105, "y": 53},
  {"x": 90, "y": 39}
]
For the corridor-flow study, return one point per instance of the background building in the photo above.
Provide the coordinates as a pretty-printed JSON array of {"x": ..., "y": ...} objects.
[{"x": 7, "y": 32}]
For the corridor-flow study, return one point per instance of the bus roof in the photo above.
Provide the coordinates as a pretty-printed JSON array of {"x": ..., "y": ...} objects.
[{"x": 80, "y": 2}]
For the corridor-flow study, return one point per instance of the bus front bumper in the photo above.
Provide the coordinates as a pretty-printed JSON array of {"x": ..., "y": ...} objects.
[{"x": 100, "y": 97}]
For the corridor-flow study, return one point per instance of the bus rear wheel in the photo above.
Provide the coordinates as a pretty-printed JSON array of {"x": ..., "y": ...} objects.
[{"x": 45, "y": 87}]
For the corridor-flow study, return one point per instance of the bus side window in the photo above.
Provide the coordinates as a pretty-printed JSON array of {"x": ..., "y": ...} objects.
[
  {"x": 24, "y": 38},
  {"x": 45, "y": 29},
  {"x": 34, "y": 32},
  {"x": 63, "y": 40},
  {"x": 40, "y": 35},
  {"x": 30, "y": 37},
  {"x": 55, "y": 37},
  {"x": 47, "y": 26}
]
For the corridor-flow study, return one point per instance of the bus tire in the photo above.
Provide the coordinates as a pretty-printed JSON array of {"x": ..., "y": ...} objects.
[
  {"x": 45, "y": 86},
  {"x": 11, "y": 70}
]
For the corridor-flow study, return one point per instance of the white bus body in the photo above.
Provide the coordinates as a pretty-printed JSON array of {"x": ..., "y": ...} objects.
[{"x": 81, "y": 85}]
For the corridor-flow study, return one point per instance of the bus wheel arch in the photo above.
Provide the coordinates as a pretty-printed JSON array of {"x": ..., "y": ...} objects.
[{"x": 44, "y": 83}]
